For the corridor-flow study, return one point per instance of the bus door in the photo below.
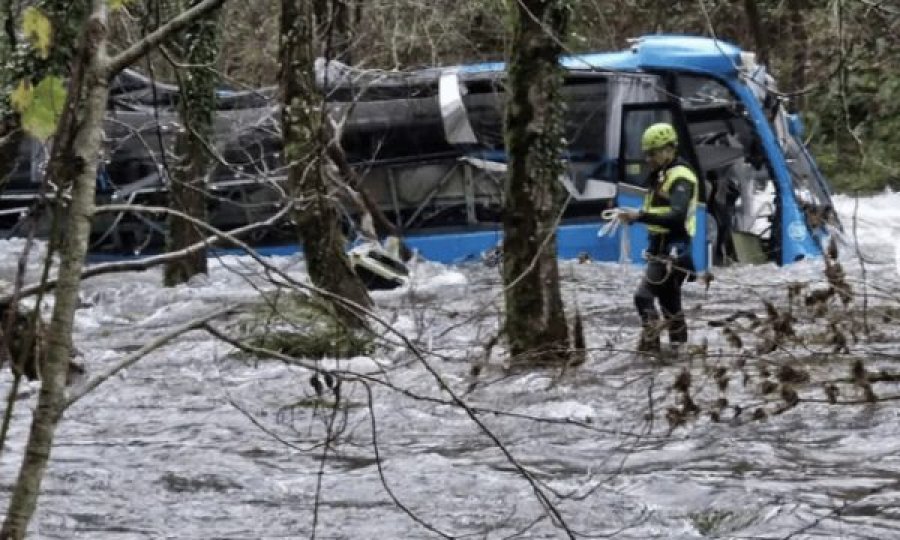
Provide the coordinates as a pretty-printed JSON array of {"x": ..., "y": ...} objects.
[{"x": 634, "y": 172}]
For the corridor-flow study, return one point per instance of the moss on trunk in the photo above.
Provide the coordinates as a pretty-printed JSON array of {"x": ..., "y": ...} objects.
[
  {"x": 199, "y": 47},
  {"x": 535, "y": 320},
  {"x": 305, "y": 134}
]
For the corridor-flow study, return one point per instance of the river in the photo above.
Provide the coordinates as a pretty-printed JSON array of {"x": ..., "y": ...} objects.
[{"x": 193, "y": 441}]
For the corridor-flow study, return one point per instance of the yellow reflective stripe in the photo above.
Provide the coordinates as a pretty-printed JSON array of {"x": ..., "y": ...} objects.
[
  {"x": 648, "y": 196},
  {"x": 657, "y": 210},
  {"x": 681, "y": 172},
  {"x": 678, "y": 172}
]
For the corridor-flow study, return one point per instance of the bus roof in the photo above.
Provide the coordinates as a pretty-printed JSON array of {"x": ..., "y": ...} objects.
[{"x": 651, "y": 52}]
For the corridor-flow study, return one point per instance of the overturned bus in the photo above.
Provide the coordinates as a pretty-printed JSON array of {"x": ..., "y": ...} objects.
[
  {"x": 431, "y": 144},
  {"x": 428, "y": 146}
]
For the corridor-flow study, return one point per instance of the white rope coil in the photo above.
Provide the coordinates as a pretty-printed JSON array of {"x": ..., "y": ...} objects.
[
  {"x": 611, "y": 228},
  {"x": 612, "y": 224}
]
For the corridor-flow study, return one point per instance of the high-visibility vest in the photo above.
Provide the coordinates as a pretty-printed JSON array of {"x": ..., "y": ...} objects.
[{"x": 656, "y": 201}]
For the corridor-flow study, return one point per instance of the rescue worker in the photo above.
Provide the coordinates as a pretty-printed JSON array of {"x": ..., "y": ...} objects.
[{"x": 668, "y": 211}]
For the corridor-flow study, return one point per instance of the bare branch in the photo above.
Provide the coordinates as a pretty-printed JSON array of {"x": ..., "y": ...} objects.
[
  {"x": 135, "y": 356},
  {"x": 153, "y": 39},
  {"x": 150, "y": 262}
]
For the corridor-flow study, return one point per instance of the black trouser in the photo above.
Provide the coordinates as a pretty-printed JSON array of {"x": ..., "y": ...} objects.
[{"x": 663, "y": 281}]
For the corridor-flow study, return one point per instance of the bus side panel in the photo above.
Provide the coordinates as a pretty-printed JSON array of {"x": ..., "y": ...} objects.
[
  {"x": 632, "y": 198},
  {"x": 576, "y": 239},
  {"x": 699, "y": 247}
]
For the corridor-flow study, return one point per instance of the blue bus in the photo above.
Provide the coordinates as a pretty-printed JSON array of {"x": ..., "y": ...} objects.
[{"x": 430, "y": 145}]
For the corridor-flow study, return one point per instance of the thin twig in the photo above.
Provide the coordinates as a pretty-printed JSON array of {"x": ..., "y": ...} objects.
[
  {"x": 135, "y": 356},
  {"x": 149, "y": 262},
  {"x": 153, "y": 39},
  {"x": 862, "y": 266},
  {"x": 378, "y": 464}
]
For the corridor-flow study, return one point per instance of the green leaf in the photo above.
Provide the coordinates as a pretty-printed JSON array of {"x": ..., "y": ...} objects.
[
  {"x": 38, "y": 30},
  {"x": 116, "y": 5},
  {"x": 42, "y": 114},
  {"x": 22, "y": 96}
]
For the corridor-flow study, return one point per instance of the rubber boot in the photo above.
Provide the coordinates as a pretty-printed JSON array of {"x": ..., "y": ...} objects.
[
  {"x": 649, "y": 339},
  {"x": 678, "y": 331}
]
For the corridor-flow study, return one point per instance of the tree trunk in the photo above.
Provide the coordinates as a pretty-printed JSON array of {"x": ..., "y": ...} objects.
[
  {"x": 342, "y": 17},
  {"x": 304, "y": 132},
  {"x": 754, "y": 21},
  {"x": 73, "y": 163},
  {"x": 800, "y": 56},
  {"x": 197, "y": 108},
  {"x": 340, "y": 35},
  {"x": 83, "y": 120},
  {"x": 535, "y": 321}
]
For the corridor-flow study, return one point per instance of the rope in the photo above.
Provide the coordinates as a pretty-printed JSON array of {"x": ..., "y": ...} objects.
[
  {"x": 611, "y": 228},
  {"x": 669, "y": 267}
]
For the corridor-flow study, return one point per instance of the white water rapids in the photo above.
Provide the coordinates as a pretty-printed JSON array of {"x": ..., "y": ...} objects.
[{"x": 188, "y": 443}]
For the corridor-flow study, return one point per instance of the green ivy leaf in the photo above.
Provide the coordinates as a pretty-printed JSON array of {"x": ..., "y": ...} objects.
[
  {"x": 116, "y": 5},
  {"x": 41, "y": 115},
  {"x": 22, "y": 96},
  {"x": 38, "y": 30}
]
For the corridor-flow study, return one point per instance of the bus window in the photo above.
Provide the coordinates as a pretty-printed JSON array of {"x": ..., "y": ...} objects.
[
  {"x": 699, "y": 92},
  {"x": 809, "y": 188},
  {"x": 634, "y": 122}
]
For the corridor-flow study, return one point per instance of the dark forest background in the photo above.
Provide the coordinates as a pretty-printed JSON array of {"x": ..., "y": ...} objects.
[{"x": 839, "y": 58}]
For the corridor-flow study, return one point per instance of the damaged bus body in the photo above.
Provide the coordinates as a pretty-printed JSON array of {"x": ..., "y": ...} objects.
[
  {"x": 431, "y": 146},
  {"x": 428, "y": 146},
  {"x": 140, "y": 153}
]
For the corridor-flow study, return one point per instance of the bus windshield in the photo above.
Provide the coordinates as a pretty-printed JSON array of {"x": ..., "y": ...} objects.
[{"x": 808, "y": 186}]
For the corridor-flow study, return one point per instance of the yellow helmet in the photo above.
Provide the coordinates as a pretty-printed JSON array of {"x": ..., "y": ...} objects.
[{"x": 658, "y": 136}]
